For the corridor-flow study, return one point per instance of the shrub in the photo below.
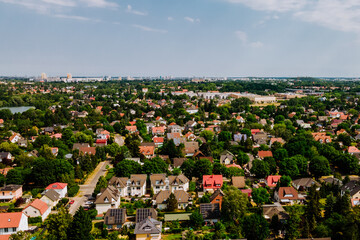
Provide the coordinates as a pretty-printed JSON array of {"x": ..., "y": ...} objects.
[
  {"x": 73, "y": 190},
  {"x": 33, "y": 220}
]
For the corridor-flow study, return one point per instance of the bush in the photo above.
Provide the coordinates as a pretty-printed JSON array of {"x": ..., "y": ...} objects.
[
  {"x": 33, "y": 220},
  {"x": 64, "y": 201},
  {"x": 73, "y": 190},
  {"x": 19, "y": 201},
  {"x": 36, "y": 191}
]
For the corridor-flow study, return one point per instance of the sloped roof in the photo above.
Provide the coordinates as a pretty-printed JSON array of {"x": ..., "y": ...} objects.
[
  {"x": 56, "y": 185},
  {"x": 181, "y": 179},
  {"x": 10, "y": 220},
  {"x": 180, "y": 195},
  {"x": 160, "y": 177},
  {"x": 107, "y": 195},
  {"x": 148, "y": 226},
  {"x": 52, "y": 195},
  {"x": 143, "y": 213},
  {"x": 115, "y": 216},
  {"x": 39, "y": 205},
  {"x": 238, "y": 181},
  {"x": 118, "y": 181}
]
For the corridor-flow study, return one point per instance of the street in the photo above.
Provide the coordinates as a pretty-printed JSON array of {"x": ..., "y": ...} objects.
[{"x": 88, "y": 187}]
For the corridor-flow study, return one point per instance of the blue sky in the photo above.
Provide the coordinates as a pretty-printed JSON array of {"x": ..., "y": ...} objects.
[{"x": 180, "y": 37}]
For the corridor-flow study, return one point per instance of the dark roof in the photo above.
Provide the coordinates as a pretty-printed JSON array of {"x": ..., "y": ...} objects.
[
  {"x": 52, "y": 195},
  {"x": 148, "y": 226},
  {"x": 215, "y": 194},
  {"x": 143, "y": 213},
  {"x": 10, "y": 187},
  {"x": 179, "y": 161},
  {"x": 210, "y": 210},
  {"x": 115, "y": 216},
  {"x": 352, "y": 187}
]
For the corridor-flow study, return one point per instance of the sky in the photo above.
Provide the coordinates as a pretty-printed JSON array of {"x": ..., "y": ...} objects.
[{"x": 203, "y": 38}]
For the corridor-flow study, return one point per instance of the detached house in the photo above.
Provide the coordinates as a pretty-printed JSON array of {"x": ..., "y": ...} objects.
[
  {"x": 143, "y": 213},
  {"x": 60, "y": 188},
  {"x": 148, "y": 151},
  {"x": 287, "y": 195},
  {"x": 161, "y": 199},
  {"x": 51, "y": 198},
  {"x": 37, "y": 208},
  {"x": 10, "y": 192},
  {"x": 12, "y": 223},
  {"x": 226, "y": 158},
  {"x": 147, "y": 229},
  {"x": 115, "y": 218},
  {"x": 191, "y": 148},
  {"x": 212, "y": 182},
  {"x": 272, "y": 180},
  {"x": 137, "y": 185},
  {"x": 109, "y": 198},
  {"x": 159, "y": 182}
]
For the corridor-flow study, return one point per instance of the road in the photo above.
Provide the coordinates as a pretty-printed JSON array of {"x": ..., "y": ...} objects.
[{"x": 88, "y": 187}]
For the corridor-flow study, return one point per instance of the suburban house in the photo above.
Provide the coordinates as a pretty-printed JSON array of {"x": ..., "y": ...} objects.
[
  {"x": 148, "y": 151},
  {"x": 238, "y": 181},
  {"x": 131, "y": 129},
  {"x": 304, "y": 184},
  {"x": 210, "y": 212},
  {"x": 238, "y": 137},
  {"x": 143, "y": 213},
  {"x": 287, "y": 195},
  {"x": 147, "y": 229},
  {"x": 5, "y": 157},
  {"x": 264, "y": 154},
  {"x": 121, "y": 184},
  {"x": 4, "y": 171},
  {"x": 191, "y": 148},
  {"x": 161, "y": 198},
  {"x": 158, "y": 131},
  {"x": 37, "y": 208},
  {"x": 212, "y": 182},
  {"x": 217, "y": 197},
  {"x": 12, "y": 223},
  {"x": 115, "y": 218},
  {"x": 272, "y": 180},
  {"x": 137, "y": 185},
  {"x": 260, "y": 138},
  {"x": 159, "y": 141},
  {"x": 353, "y": 188},
  {"x": 269, "y": 210},
  {"x": 15, "y": 138},
  {"x": 10, "y": 192},
  {"x": 321, "y": 137},
  {"x": 178, "y": 162},
  {"x": 180, "y": 182},
  {"x": 226, "y": 158},
  {"x": 60, "y": 188},
  {"x": 51, "y": 197},
  {"x": 108, "y": 198}
]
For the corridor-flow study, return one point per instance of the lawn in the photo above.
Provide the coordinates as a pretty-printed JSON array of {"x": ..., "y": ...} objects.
[{"x": 171, "y": 236}]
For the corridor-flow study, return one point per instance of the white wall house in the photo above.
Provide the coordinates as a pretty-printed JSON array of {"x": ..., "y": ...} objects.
[
  {"x": 12, "y": 223},
  {"x": 37, "y": 208},
  {"x": 61, "y": 188}
]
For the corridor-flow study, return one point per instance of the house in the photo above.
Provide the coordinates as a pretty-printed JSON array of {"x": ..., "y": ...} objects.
[
  {"x": 272, "y": 180},
  {"x": 259, "y": 138},
  {"x": 37, "y": 208},
  {"x": 5, "y": 157},
  {"x": 87, "y": 150},
  {"x": 279, "y": 140},
  {"x": 210, "y": 212},
  {"x": 148, "y": 151},
  {"x": 178, "y": 162},
  {"x": 191, "y": 148},
  {"x": 115, "y": 218},
  {"x": 49, "y": 130},
  {"x": 158, "y": 130},
  {"x": 226, "y": 157},
  {"x": 174, "y": 129},
  {"x": 51, "y": 197},
  {"x": 190, "y": 136},
  {"x": 238, "y": 137},
  {"x": 101, "y": 142},
  {"x": 217, "y": 197},
  {"x": 10, "y": 192},
  {"x": 60, "y": 188},
  {"x": 161, "y": 198},
  {"x": 269, "y": 210},
  {"x": 12, "y": 223},
  {"x": 159, "y": 182},
  {"x": 131, "y": 129},
  {"x": 321, "y": 137},
  {"x": 212, "y": 182},
  {"x": 180, "y": 182},
  {"x": 159, "y": 141},
  {"x": 4, "y": 171},
  {"x": 15, "y": 138},
  {"x": 264, "y": 154},
  {"x": 137, "y": 185},
  {"x": 238, "y": 181},
  {"x": 143, "y": 213},
  {"x": 247, "y": 191},
  {"x": 288, "y": 195},
  {"x": 353, "y": 150},
  {"x": 54, "y": 151},
  {"x": 121, "y": 184},
  {"x": 190, "y": 126},
  {"x": 147, "y": 229},
  {"x": 304, "y": 184},
  {"x": 176, "y": 137},
  {"x": 353, "y": 188},
  {"x": 22, "y": 143},
  {"x": 108, "y": 198},
  {"x": 79, "y": 145}
]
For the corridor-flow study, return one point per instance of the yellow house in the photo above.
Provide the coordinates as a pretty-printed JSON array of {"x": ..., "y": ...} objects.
[{"x": 148, "y": 229}]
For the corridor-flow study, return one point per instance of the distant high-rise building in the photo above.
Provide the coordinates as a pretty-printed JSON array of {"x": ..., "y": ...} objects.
[
  {"x": 43, "y": 76},
  {"x": 69, "y": 76}
]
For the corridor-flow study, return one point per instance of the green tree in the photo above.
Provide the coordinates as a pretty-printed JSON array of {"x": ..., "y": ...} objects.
[
  {"x": 319, "y": 166},
  {"x": 80, "y": 226},
  {"x": 14, "y": 176},
  {"x": 256, "y": 227},
  {"x": 207, "y": 134},
  {"x": 57, "y": 225},
  {"x": 292, "y": 226},
  {"x": 260, "y": 196},
  {"x": 172, "y": 203},
  {"x": 196, "y": 220},
  {"x": 155, "y": 165},
  {"x": 101, "y": 184},
  {"x": 260, "y": 168},
  {"x": 219, "y": 231},
  {"x": 202, "y": 167},
  {"x": 127, "y": 167},
  {"x": 234, "y": 204}
]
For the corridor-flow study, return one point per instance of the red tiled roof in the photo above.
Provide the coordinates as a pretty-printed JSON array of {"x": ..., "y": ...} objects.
[
  {"x": 56, "y": 185},
  {"x": 209, "y": 181},
  {"x": 263, "y": 154},
  {"x": 272, "y": 180},
  {"x": 9, "y": 220},
  {"x": 147, "y": 150},
  {"x": 101, "y": 140},
  {"x": 39, "y": 205},
  {"x": 158, "y": 139}
]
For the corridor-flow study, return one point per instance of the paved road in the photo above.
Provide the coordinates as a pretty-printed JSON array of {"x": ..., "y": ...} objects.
[{"x": 87, "y": 189}]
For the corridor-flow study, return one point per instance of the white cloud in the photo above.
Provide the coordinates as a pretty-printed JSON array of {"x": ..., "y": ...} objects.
[
  {"x": 131, "y": 10},
  {"x": 272, "y": 5},
  {"x": 64, "y": 3},
  {"x": 72, "y": 17},
  {"x": 243, "y": 37},
  {"x": 149, "y": 29},
  {"x": 170, "y": 18},
  {"x": 339, "y": 15},
  {"x": 192, "y": 20}
]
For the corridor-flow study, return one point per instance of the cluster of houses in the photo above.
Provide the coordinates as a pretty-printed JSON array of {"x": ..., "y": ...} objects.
[{"x": 12, "y": 222}]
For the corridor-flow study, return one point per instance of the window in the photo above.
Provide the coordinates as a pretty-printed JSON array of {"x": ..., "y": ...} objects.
[
  {"x": 138, "y": 188},
  {"x": 14, "y": 229},
  {"x": 6, "y": 230}
]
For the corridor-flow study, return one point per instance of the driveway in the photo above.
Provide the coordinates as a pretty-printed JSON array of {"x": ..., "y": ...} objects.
[{"x": 88, "y": 188}]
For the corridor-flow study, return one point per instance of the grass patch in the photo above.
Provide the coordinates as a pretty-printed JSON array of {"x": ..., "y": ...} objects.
[{"x": 171, "y": 236}]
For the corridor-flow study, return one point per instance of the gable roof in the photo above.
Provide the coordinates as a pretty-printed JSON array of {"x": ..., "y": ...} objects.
[
  {"x": 264, "y": 154},
  {"x": 217, "y": 192},
  {"x": 178, "y": 180},
  {"x": 119, "y": 182},
  {"x": 272, "y": 180},
  {"x": 10, "y": 220},
  {"x": 210, "y": 181},
  {"x": 148, "y": 226},
  {"x": 158, "y": 177},
  {"x": 180, "y": 195},
  {"x": 143, "y": 213},
  {"x": 52, "y": 195},
  {"x": 39, "y": 205},
  {"x": 109, "y": 194},
  {"x": 141, "y": 178},
  {"x": 288, "y": 193},
  {"x": 238, "y": 181}
]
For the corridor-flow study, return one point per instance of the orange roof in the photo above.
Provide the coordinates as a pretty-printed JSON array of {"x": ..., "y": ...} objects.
[
  {"x": 272, "y": 180},
  {"x": 4, "y": 237},
  {"x": 1, "y": 121},
  {"x": 158, "y": 139},
  {"x": 39, "y": 205},
  {"x": 131, "y": 128},
  {"x": 147, "y": 150},
  {"x": 353, "y": 149},
  {"x": 56, "y": 185},
  {"x": 4, "y": 171},
  {"x": 264, "y": 154},
  {"x": 9, "y": 220}
]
